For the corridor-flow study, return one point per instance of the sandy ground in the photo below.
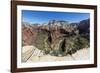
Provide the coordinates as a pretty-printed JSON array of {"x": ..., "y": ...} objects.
[{"x": 31, "y": 54}]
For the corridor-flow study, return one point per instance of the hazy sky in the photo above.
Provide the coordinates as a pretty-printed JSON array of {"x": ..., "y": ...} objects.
[{"x": 31, "y": 16}]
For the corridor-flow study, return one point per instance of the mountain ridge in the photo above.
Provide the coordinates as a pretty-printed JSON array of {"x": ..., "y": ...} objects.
[{"x": 57, "y": 36}]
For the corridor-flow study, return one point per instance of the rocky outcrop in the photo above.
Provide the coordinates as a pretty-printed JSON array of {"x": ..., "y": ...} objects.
[
  {"x": 82, "y": 54},
  {"x": 28, "y": 51},
  {"x": 57, "y": 37},
  {"x": 84, "y": 26},
  {"x": 29, "y": 34}
]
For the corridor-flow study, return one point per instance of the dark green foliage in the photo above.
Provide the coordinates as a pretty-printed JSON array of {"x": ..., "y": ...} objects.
[
  {"x": 66, "y": 39},
  {"x": 39, "y": 43},
  {"x": 68, "y": 45},
  {"x": 76, "y": 43}
]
